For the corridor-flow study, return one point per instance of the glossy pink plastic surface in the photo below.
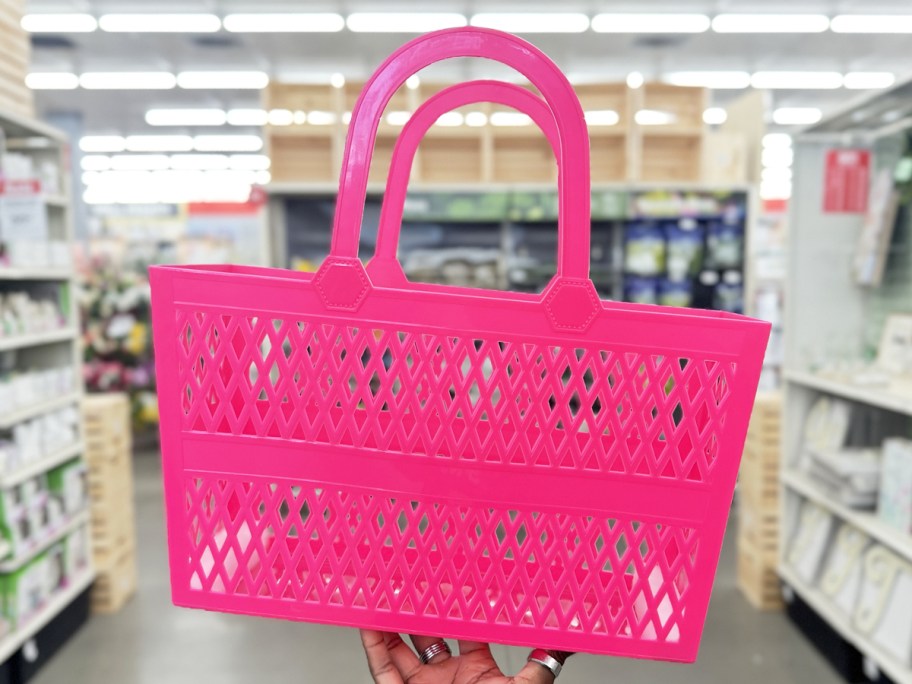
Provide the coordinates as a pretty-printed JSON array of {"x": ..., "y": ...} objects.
[{"x": 542, "y": 470}]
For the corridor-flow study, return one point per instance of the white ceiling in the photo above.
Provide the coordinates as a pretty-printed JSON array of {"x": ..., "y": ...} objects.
[{"x": 588, "y": 56}]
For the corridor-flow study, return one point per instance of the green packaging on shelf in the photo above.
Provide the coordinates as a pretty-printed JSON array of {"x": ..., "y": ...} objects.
[
  {"x": 456, "y": 206},
  {"x": 608, "y": 205},
  {"x": 69, "y": 483},
  {"x": 533, "y": 206},
  {"x": 25, "y": 590}
]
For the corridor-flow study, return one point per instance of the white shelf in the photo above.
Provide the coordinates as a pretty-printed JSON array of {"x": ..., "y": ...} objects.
[
  {"x": 76, "y": 521},
  {"x": 60, "y": 600},
  {"x": 865, "y": 521},
  {"x": 895, "y": 670},
  {"x": 36, "y": 273},
  {"x": 42, "y": 465},
  {"x": 36, "y": 339},
  {"x": 897, "y": 398},
  {"x": 60, "y": 201},
  {"x": 13, "y": 417}
]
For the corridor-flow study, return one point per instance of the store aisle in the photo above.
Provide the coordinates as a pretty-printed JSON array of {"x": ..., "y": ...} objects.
[{"x": 150, "y": 641}]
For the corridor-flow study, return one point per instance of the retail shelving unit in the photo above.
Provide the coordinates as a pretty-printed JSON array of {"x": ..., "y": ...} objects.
[
  {"x": 58, "y": 349},
  {"x": 831, "y": 324}
]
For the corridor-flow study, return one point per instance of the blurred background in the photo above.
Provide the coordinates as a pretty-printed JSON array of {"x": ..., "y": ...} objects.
[{"x": 746, "y": 156}]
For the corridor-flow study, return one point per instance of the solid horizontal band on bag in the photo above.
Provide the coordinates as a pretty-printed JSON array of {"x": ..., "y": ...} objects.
[{"x": 431, "y": 479}]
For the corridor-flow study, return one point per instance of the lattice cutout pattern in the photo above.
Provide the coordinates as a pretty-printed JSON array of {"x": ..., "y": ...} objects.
[
  {"x": 453, "y": 397},
  {"x": 611, "y": 577}
]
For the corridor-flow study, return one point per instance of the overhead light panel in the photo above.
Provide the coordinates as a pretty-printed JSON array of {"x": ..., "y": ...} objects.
[
  {"x": 510, "y": 119},
  {"x": 128, "y": 80},
  {"x": 650, "y": 23},
  {"x": 199, "y": 162},
  {"x": 52, "y": 81},
  {"x": 412, "y": 82},
  {"x": 160, "y": 23},
  {"x": 249, "y": 162},
  {"x": 398, "y": 118},
  {"x": 777, "y": 157},
  {"x": 533, "y": 22},
  {"x": 139, "y": 162},
  {"x": 299, "y": 22},
  {"x": 772, "y": 173},
  {"x": 635, "y": 80},
  {"x": 802, "y": 80},
  {"x": 797, "y": 116},
  {"x": 868, "y": 80},
  {"x": 59, "y": 23},
  {"x": 337, "y": 80},
  {"x": 227, "y": 143},
  {"x": 159, "y": 143},
  {"x": 280, "y": 117},
  {"x": 247, "y": 117},
  {"x": 476, "y": 119},
  {"x": 223, "y": 80},
  {"x": 654, "y": 117},
  {"x": 450, "y": 119},
  {"x": 872, "y": 23},
  {"x": 770, "y": 23},
  {"x": 95, "y": 162},
  {"x": 775, "y": 190},
  {"x": 102, "y": 143},
  {"x": 715, "y": 116},
  {"x": 602, "y": 117},
  {"x": 777, "y": 140},
  {"x": 717, "y": 80},
  {"x": 186, "y": 117},
  {"x": 403, "y": 22}
]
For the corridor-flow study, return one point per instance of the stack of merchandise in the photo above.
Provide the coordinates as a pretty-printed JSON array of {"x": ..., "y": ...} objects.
[
  {"x": 109, "y": 457},
  {"x": 15, "y": 97},
  {"x": 758, "y": 490},
  {"x": 23, "y": 314}
]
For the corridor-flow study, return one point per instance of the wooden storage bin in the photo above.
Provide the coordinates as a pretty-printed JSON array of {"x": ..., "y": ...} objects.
[
  {"x": 671, "y": 157},
  {"x": 523, "y": 158},
  {"x": 115, "y": 582},
  {"x": 757, "y": 579},
  {"x": 302, "y": 158},
  {"x": 609, "y": 157},
  {"x": 297, "y": 97},
  {"x": 450, "y": 159},
  {"x": 604, "y": 96},
  {"x": 685, "y": 104}
]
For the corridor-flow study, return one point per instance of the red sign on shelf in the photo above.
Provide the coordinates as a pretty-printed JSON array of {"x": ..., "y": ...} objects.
[{"x": 846, "y": 181}]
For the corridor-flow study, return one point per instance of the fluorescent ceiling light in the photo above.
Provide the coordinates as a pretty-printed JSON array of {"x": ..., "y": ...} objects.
[
  {"x": 654, "y": 117},
  {"x": 777, "y": 157},
  {"x": 159, "y": 143},
  {"x": 280, "y": 117},
  {"x": 346, "y": 118},
  {"x": 139, "y": 162},
  {"x": 715, "y": 116},
  {"x": 263, "y": 178},
  {"x": 299, "y": 117},
  {"x": 602, "y": 117},
  {"x": 247, "y": 117},
  {"x": 318, "y": 118},
  {"x": 398, "y": 118},
  {"x": 229, "y": 80},
  {"x": 772, "y": 173},
  {"x": 95, "y": 162},
  {"x": 797, "y": 116},
  {"x": 412, "y": 82},
  {"x": 127, "y": 80},
  {"x": 635, "y": 79},
  {"x": 770, "y": 23},
  {"x": 160, "y": 23},
  {"x": 227, "y": 143},
  {"x": 59, "y": 23},
  {"x": 775, "y": 190},
  {"x": 872, "y": 23},
  {"x": 650, "y": 23},
  {"x": 249, "y": 162},
  {"x": 337, "y": 80},
  {"x": 403, "y": 22},
  {"x": 533, "y": 22},
  {"x": 476, "y": 119},
  {"x": 717, "y": 80},
  {"x": 102, "y": 143},
  {"x": 52, "y": 81},
  {"x": 864, "y": 80},
  {"x": 323, "y": 22},
  {"x": 803, "y": 80},
  {"x": 510, "y": 119},
  {"x": 450, "y": 119},
  {"x": 777, "y": 140},
  {"x": 186, "y": 117},
  {"x": 199, "y": 162}
]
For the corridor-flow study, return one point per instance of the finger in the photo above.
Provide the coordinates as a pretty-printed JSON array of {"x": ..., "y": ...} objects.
[
  {"x": 403, "y": 657},
  {"x": 534, "y": 673},
  {"x": 422, "y": 642},
  {"x": 379, "y": 660},
  {"x": 467, "y": 647}
]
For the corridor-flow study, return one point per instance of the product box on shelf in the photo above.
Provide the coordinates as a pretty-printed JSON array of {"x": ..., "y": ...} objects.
[
  {"x": 850, "y": 475},
  {"x": 844, "y": 568},
  {"x": 882, "y": 611},
  {"x": 28, "y": 513},
  {"x": 70, "y": 485},
  {"x": 810, "y": 541},
  {"x": 895, "y": 503}
]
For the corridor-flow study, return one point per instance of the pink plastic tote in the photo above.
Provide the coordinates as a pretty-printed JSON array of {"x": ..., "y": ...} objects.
[{"x": 350, "y": 448}]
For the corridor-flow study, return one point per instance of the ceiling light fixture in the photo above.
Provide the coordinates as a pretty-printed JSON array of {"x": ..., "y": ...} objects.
[
  {"x": 650, "y": 23},
  {"x": 139, "y": 162},
  {"x": 770, "y": 23},
  {"x": 797, "y": 116},
  {"x": 871, "y": 23},
  {"x": 247, "y": 117},
  {"x": 654, "y": 117},
  {"x": 476, "y": 119},
  {"x": 717, "y": 80},
  {"x": 127, "y": 80},
  {"x": 159, "y": 143},
  {"x": 777, "y": 140},
  {"x": 802, "y": 80},
  {"x": 868, "y": 80},
  {"x": 510, "y": 119},
  {"x": 450, "y": 119},
  {"x": 227, "y": 143},
  {"x": 715, "y": 116},
  {"x": 218, "y": 80},
  {"x": 775, "y": 190},
  {"x": 337, "y": 80},
  {"x": 59, "y": 23},
  {"x": 102, "y": 143},
  {"x": 398, "y": 118},
  {"x": 403, "y": 22},
  {"x": 412, "y": 82},
  {"x": 602, "y": 117},
  {"x": 160, "y": 23},
  {"x": 52, "y": 81},
  {"x": 635, "y": 80},
  {"x": 302, "y": 22},
  {"x": 777, "y": 157},
  {"x": 533, "y": 22},
  {"x": 249, "y": 162},
  {"x": 186, "y": 117},
  {"x": 95, "y": 162},
  {"x": 280, "y": 117},
  {"x": 199, "y": 162},
  {"x": 321, "y": 118}
]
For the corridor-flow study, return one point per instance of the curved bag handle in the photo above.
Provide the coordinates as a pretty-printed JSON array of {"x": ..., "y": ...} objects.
[
  {"x": 573, "y": 161},
  {"x": 384, "y": 268}
]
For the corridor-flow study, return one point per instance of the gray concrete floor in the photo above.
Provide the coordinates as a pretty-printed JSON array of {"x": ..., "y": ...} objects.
[{"x": 150, "y": 641}]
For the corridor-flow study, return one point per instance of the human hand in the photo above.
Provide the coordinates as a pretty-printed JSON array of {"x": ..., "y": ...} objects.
[{"x": 391, "y": 661}]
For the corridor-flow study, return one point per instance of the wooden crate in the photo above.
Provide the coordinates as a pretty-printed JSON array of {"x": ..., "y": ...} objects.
[
  {"x": 757, "y": 579},
  {"x": 15, "y": 56},
  {"x": 450, "y": 159},
  {"x": 669, "y": 156},
  {"x": 107, "y": 418},
  {"x": 523, "y": 158},
  {"x": 115, "y": 583}
]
